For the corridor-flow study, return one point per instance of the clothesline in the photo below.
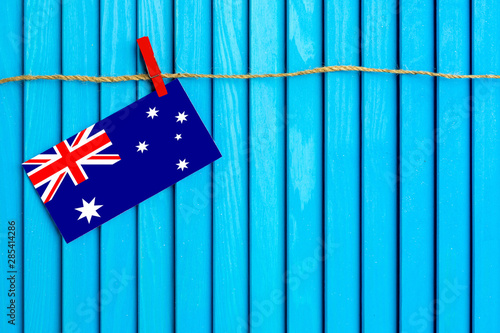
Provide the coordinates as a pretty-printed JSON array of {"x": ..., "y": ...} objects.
[{"x": 325, "y": 69}]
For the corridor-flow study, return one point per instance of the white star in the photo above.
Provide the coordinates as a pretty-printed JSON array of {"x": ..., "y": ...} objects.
[
  {"x": 181, "y": 117},
  {"x": 178, "y": 137},
  {"x": 88, "y": 210},
  {"x": 142, "y": 146},
  {"x": 182, "y": 165},
  {"x": 152, "y": 113}
]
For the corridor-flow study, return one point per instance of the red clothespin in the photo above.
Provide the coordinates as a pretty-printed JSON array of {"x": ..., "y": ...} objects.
[{"x": 152, "y": 65}]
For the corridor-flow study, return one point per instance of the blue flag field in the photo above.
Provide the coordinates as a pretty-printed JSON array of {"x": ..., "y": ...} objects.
[{"x": 121, "y": 161}]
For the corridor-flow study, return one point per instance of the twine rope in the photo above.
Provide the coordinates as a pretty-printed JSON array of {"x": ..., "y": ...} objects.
[{"x": 325, "y": 69}]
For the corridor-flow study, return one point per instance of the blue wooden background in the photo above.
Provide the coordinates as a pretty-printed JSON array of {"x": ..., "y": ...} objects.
[{"x": 344, "y": 202}]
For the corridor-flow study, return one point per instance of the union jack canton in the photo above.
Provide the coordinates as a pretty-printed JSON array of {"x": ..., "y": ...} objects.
[{"x": 68, "y": 159}]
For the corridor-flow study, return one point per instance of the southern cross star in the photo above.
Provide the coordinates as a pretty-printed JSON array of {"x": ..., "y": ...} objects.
[
  {"x": 142, "y": 146},
  {"x": 88, "y": 210},
  {"x": 182, "y": 165},
  {"x": 178, "y": 137},
  {"x": 181, "y": 117},
  {"x": 152, "y": 113}
]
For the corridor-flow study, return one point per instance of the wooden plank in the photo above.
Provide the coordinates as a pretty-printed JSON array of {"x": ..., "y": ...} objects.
[
  {"x": 342, "y": 169},
  {"x": 11, "y": 139},
  {"x": 193, "y": 195},
  {"x": 486, "y": 168},
  {"x": 416, "y": 167},
  {"x": 80, "y": 101},
  {"x": 42, "y": 130},
  {"x": 230, "y": 204},
  {"x": 453, "y": 168},
  {"x": 267, "y": 165},
  {"x": 156, "y": 215},
  {"x": 304, "y": 168},
  {"x": 379, "y": 168},
  {"x": 118, "y": 237}
]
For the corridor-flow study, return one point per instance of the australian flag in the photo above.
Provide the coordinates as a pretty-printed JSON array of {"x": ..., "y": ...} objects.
[{"x": 121, "y": 161}]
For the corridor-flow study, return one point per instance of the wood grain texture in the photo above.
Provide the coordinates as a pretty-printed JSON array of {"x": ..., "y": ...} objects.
[
  {"x": 342, "y": 169},
  {"x": 193, "y": 195},
  {"x": 80, "y": 258},
  {"x": 42, "y": 130},
  {"x": 304, "y": 168},
  {"x": 416, "y": 126},
  {"x": 453, "y": 168},
  {"x": 485, "y": 168},
  {"x": 118, "y": 265},
  {"x": 379, "y": 168},
  {"x": 156, "y": 215},
  {"x": 230, "y": 204},
  {"x": 267, "y": 163},
  {"x": 308, "y": 177},
  {"x": 11, "y": 139}
]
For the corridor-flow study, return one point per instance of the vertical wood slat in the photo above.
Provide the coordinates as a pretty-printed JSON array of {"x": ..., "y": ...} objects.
[
  {"x": 486, "y": 168},
  {"x": 342, "y": 162},
  {"x": 416, "y": 168},
  {"x": 155, "y": 216},
  {"x": 230, "y": 107},
  {"x": 193, "y": 215},
  {"x": 304, "y": 168},
  {"x": 42, "y": 129},
  {"x": 267, "y": 165},
  {"x": 80, "y": 102},
  {"x": 11, "y": 139},
  {"x": 379, "y": 168},
  {"x": 453, "y": 168},
  {"x": 193, "y": 195},
  {"x": 118, "y": 266}
]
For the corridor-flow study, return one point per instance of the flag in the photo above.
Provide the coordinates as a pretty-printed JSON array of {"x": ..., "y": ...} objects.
[{"x": 120, "y": 161}]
